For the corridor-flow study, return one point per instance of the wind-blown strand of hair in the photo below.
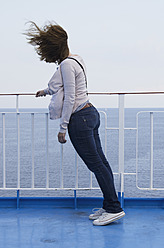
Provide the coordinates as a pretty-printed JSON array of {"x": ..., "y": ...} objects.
[{"x": 50, "y": 42}]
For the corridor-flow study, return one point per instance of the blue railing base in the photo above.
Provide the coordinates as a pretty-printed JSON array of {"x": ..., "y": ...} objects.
[
  {"x": 75, "y": 202},
  {"x": 121, "y": 199},
  {"x": 18, "y": 199}
]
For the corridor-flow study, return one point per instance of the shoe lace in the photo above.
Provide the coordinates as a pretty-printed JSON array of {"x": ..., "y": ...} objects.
[
  {"x": 103, "y": 216},
  {"x": 97, "y": 210}
]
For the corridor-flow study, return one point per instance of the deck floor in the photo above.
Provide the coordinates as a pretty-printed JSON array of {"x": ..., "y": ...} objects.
[{"x": 66, "y": 227}]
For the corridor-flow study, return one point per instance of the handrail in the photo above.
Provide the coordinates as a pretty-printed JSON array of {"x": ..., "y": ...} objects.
[
  {"x": 94, "y": 93},
  {"x": 17, "y": 94},
  {"x": 127, "y": 93}
]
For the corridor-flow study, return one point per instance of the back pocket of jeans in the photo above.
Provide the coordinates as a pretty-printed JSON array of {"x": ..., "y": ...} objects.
[{"x": 90, "y": 121}]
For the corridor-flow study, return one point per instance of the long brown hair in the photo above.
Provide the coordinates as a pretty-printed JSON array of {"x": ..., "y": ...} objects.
[{"x": 50, "y": 42}]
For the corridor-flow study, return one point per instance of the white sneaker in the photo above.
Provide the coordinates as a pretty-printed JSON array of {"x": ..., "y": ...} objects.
[
  {"x": 107, "y": 218},
  {"x": 97, "y": 213}
]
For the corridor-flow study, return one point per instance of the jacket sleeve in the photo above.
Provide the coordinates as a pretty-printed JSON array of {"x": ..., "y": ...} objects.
[{"x": 68, "y": 78}]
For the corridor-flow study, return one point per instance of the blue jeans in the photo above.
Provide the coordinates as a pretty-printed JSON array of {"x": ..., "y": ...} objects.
[{"x": 83, "y": 133}]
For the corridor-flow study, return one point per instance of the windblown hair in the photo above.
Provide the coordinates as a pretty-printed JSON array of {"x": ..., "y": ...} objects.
[{"x": 50, "y": 42}]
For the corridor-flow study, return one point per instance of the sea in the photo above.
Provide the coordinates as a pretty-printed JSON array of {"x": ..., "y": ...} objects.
[{"x": 140, "y": 137}]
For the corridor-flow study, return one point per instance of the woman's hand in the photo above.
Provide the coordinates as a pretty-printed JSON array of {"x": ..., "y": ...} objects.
[
  {"x": 40, "y": 93},
  {"x": 61, "y": 138}
]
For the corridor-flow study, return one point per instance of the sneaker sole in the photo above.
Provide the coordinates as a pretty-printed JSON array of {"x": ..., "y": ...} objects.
[{"x": 102, "y": 223}]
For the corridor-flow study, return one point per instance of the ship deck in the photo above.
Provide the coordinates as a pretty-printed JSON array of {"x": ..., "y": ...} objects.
[{"x": 61, "y": 225}]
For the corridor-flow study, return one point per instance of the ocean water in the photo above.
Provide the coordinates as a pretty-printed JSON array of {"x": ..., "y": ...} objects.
[{"x": 69, "y": 173}]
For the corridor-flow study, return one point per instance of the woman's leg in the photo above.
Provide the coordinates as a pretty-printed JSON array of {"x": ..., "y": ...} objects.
[
  {"x": 106, "y": 203},
  {"x": 83, "y": 136}
]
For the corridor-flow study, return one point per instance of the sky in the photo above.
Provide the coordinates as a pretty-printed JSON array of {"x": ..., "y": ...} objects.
[{"x": 121, "y": 42}]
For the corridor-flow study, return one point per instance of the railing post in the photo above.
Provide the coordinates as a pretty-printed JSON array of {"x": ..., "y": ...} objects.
[
  {"x": 17, "y": 103},
  {"x": 18, "y": 141},
  {"x": 151, "y": 150},
  {"x": 47, "y": 153},
  {"x": 32, "y": 149},
  {"x": 18, "y": 150},
  {"x": 121, "y": 149},
  {"x": 4, "y": 150},
  {"x": 61, "y": 166},
  {"x": 76, "y": 170}
]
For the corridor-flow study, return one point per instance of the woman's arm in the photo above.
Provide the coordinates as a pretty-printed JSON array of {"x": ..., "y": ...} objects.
[{"x": 68, "y": 78}]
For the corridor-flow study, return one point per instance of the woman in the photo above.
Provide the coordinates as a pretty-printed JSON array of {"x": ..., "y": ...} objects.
[{"x": 78, "y": 115}]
